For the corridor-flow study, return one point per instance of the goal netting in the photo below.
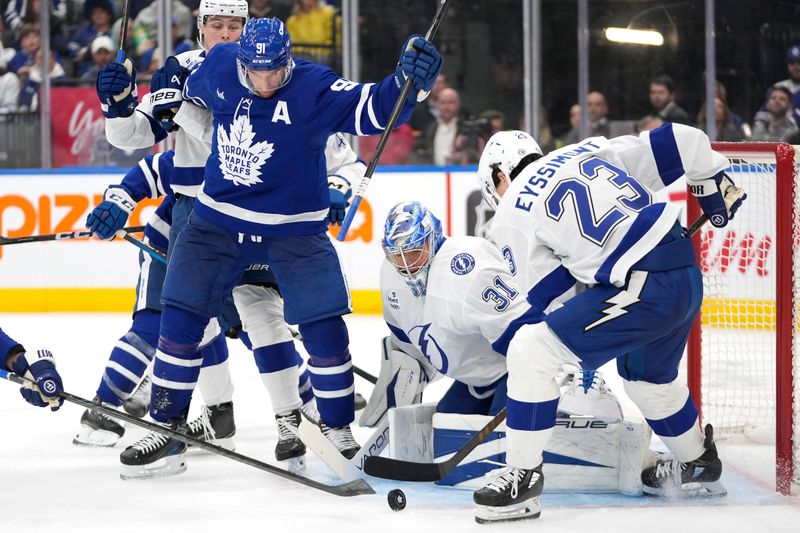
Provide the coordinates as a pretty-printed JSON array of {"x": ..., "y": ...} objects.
[{"x": 744, "y": 368}]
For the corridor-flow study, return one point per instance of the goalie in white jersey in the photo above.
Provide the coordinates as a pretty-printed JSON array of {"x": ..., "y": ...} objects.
[{"x": 585, "y": 214}]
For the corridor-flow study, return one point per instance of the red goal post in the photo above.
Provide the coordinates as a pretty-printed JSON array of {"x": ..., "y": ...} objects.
[{"x": 742, "y": 348}]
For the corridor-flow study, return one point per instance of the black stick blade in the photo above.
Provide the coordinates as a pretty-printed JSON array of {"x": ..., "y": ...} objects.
[{"x": 386, "y": 468}]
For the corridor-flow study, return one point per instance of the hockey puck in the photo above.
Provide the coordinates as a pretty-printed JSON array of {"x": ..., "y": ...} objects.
[{"x": 397, "y": 500}]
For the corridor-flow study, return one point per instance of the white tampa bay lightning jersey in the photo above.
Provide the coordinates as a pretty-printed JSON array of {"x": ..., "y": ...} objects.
[
  {"x": 141, "y": 130},
  {"x": 586, "y": 212},
  {"x": 471, "y": 304}
]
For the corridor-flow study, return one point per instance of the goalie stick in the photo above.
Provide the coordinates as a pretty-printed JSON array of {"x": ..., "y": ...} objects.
[
  {"x": 353, "y": 488},
  {"x": 66, "y": 235},
  {"x": 398, "y": 106},
  {"x": 386, "y": 468}
]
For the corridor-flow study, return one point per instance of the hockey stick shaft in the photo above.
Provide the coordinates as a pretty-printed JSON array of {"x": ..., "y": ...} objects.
[
  {"x": 386, "y": 468},
  {"x": 347, "y": 489},
  {"x": 398, "y": 107},
  {"x": 696, "y": 225},
  {"x": 143, "y": 247},
  {"x": 123, "y": 31},
  {"x": 68, "y": 235}
]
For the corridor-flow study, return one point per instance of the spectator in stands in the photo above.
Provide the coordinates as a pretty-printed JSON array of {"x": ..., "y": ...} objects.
[
  {"x": 439, "y": 143},
  {"x": 25, "y": 57},
  {"x": 9, "y": 92},
  {"x": 100, "y": 14},
  {"x": 28, "y": 95},
  {"x": 146, "y": 23},
  {"x": 597, "y": 111},
  {"x": 314, "y": 22},
  {"x": 662, "y": 98},
  {"x": 647, "y": 123},
  {"x": 793, "y": 81},
  {"x": 776, "y": 124},
  {"x": 103, "y": 52},
  {"x": 425, "y": 113},
  {"x": 727, "y": 130},
  {"x": 398, "y": 150},
  {"x": 150, "y": 60},
  {"x": 19, "y": 12},
  {"x": 270, "y": 8}
]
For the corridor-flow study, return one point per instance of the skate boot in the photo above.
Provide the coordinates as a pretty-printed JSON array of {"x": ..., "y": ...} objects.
[
  {"x": 342, "y": 438},
  {"x": 138, "y": 403},
  {"x": 98, "y": 429},
  {"x": 360, "y": 402},
  {"x": 588, "y": 395},
  {"x": 155, "y": 455},
  {"x": 290, "y": 448},
  {"x": 670, "y": 477},
  {"x": 215, "y": 425},
  {"x": 514, "y": 495}
]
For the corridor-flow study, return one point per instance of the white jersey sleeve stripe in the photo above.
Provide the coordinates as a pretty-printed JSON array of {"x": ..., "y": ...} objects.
[
  {"x": 157, "y": 171},
  {"x": 372, "y": 116},
  {"x": 148, "y": 175},
  {"x": 360, "y": 107}
]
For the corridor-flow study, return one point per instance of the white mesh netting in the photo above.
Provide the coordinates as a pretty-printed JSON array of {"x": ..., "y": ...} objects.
[{"x": 739, "y": 309}]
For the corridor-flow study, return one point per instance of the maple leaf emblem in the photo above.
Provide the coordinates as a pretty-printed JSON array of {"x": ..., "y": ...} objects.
[{"x": 240, "y": 160}]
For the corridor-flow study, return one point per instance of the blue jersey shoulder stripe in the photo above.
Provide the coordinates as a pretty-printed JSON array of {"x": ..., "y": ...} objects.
[{"x": 666, "y": 154}]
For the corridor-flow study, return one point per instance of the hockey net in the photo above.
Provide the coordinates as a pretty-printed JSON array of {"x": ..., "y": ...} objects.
[{"x": 743, "y": 363}]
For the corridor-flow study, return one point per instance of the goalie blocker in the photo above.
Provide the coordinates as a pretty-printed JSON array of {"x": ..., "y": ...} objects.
[{"x": 585, "y": 454}]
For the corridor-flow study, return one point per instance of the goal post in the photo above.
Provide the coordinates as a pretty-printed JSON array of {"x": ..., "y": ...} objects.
[{"x": 743, "y": 367}]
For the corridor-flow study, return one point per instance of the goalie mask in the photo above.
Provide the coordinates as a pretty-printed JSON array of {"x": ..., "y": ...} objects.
[
  {"x": 503, "y": 152},
  {"x": 411, "y": 237},
  {"x": 264, "y": 60},
  {"x": 219, "y": 8}
]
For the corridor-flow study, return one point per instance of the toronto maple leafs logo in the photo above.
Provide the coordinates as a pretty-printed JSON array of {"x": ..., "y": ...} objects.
[{"x": 240, "y": 159}]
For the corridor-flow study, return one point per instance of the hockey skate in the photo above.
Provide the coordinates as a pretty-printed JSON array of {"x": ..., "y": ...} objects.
[
  {"x": 670, "y": 477},
  {"x": 138, "y": 403},
  {"x": 155, "y": 455},
  {"x": 588, "y": 395},
  {"x": 215, "y": 425},
  {"x": 513, "y": 495},
  {"x": 342, "y": 438},
  {"x": 290, "y": 448},
  {"x": 98, "y": 429}
]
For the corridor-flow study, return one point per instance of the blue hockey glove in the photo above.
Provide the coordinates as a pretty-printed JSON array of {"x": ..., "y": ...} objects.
[
  {"x": 719, "y": 198},
  {"x": 116, "y": 88},
  {"x": 166, "y": 91},
  {"x": 111, "y": 214},
  {"x": 421, "y": 62},
  {"x": 340, "y": 193},
  {"x": 39, "y": 366}
]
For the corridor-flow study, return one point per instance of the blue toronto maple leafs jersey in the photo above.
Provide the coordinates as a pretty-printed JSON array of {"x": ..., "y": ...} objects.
[{"x": 266, "y": 173}]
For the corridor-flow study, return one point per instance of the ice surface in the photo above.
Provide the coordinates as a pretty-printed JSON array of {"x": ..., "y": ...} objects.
[{"x": 47, "y": 484}]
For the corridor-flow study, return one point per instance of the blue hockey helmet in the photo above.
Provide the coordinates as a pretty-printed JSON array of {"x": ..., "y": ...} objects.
[
  {"x": 265, "y": 56},
  {"x": 411, "y": 237}
]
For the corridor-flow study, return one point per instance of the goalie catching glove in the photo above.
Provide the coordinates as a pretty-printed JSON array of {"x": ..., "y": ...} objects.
[
  {"x": 400, "y": 383},
  {"x": 719, "y": 198}
]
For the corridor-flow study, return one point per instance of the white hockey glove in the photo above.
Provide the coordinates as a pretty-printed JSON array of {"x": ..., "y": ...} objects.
[
  {"x": 400, "y": 383},
  {"x": 719, "y": 198}
]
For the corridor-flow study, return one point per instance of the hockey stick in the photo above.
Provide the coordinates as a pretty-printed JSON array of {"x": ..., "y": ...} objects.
[
  {"x": 67, "y": 235},
  {"x": 353, "y": 488},
  {"x": 123, "y": 31},
  {"x": 142, "y": 246},
  {"x": 387, "y": 468},
  {"x": 696, "y": 225},
  {"x": 398, "y": 106}
]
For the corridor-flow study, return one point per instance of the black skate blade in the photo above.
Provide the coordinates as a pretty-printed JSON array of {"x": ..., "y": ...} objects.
[{"x": 355, "y": 488}]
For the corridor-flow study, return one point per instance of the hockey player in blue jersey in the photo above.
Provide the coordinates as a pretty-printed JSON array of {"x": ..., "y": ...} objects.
[
  {"x": 265, "y": 199},
  {"x": 39, "y": 367},
  {"x": 585, "y": 214}
]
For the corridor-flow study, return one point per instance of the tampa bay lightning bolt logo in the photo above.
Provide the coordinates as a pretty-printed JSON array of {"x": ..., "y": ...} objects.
[
  {"x": 462, "y": 264},
  {"x": 430, "y": 348}
]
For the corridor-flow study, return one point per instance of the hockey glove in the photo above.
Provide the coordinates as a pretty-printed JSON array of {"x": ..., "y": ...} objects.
[
  {"x": 421, "y": 62},
  {"x": 116, "y": 88},
  {"x": 45, "y": 383},
  {"x": 340, "y": 193},
  {"x": 719, "y": 198},
  {"x": 166, "y": 92},
  {"x": 111, "y": 214}
]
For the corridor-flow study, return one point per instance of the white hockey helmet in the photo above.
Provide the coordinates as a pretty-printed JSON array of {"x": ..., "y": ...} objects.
[
  {"x": 220, "y": 8},
  {"x": 504, "y": 150}
]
